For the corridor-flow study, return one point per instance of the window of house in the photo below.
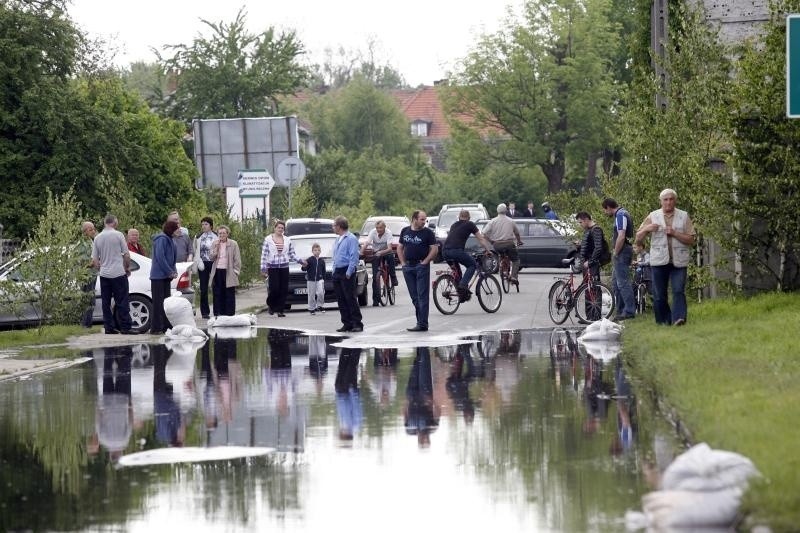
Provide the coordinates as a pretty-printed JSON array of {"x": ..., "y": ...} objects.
[{"x": 419, "y": 128}]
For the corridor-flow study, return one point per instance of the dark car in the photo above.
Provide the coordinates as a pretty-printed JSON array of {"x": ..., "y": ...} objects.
[
  {"x": 544, "y": 242},
  {"x": 308, "y": 226},
  {"x": 298, "y": 292}
]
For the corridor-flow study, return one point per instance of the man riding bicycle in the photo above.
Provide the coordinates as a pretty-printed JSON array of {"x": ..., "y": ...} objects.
[
  {"x": 453, "y": 249},
  {"x": 504, "y": 235},
  {"x": 380, "y": 239}
]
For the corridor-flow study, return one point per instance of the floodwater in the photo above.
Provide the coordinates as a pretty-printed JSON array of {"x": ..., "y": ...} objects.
[{"x": 509, "y": 431}]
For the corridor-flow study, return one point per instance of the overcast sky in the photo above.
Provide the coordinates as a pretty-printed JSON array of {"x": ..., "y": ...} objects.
[{"x": 420, "y": 38}]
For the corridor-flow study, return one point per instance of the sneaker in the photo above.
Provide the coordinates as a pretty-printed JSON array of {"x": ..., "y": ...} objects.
[
  {"x": 679, "y": 322},
  {"x": 622, "y": 317},
  {"x": 313, "y": 312},
  {"x": 375, "y": 304}
]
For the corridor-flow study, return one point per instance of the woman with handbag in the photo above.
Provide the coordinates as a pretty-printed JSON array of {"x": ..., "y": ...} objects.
[
  {"x": 203, "y": 262},
  {"x": 225, "y": 269}
]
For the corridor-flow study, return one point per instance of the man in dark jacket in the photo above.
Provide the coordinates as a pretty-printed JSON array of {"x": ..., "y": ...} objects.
[{"x": 591, "y": 249}]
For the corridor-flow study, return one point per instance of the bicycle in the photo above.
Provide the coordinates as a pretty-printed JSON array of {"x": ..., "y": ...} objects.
[
  {"x": 641, "y": 287},
  {"x": 383, "y": 284},
  {"x": 591, "y": 299},
  {"x": 505, "y": 272},
  {"x": 487, "y": 288}
]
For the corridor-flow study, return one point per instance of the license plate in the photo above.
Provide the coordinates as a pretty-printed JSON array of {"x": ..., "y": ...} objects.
[{"x": 301, "y": 291}]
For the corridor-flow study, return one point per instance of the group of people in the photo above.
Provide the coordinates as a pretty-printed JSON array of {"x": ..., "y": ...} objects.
[
  {"x": 110, "y": 259},
  {"x": 530, "y": 211},
  {"x": 671, "y": 235}
]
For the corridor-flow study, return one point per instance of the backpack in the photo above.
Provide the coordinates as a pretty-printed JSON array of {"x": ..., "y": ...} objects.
[{"x": 605, "y": 254}]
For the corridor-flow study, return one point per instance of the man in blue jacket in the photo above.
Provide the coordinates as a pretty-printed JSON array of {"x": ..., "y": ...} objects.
[{"x": 345, "y": 261}]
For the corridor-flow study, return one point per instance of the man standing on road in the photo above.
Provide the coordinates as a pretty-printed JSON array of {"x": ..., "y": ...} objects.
[
  {"x": 345, "y": 261},
  {"x": 380, "y": 239},
  {"x": 504, "y": 235},
  {"x": 591, "y": 251},
  {"x": 672, "y": 236},
  {"x": 622, "y": 253},
  {"x": 183, "y": 244},
  {"x": 453, "y": 249},
  {"x": 416, "y": 250},
  {"x": 110, "y": 254}
]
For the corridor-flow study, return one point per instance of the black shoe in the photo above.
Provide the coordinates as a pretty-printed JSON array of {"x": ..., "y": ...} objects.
[
  {"x": 417, "y": 328},
  {"x": 129, "y": 332},
  {"x": 206, "y": 317},
  {"x": 112, "y": 332},
  {"x": 357, "y": 329},
  {"x": 157, "y": 332},
  {"x": 343, "y": 329},
  {"x": 270, "y": 311},
  {"x": 394, "y": 283},
  {"x": 619, "y": 318},
  {"x": 376, "y": 304},
  {"x": 281, "y": 314}
]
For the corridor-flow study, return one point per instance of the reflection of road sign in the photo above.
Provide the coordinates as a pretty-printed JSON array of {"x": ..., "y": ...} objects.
[
  {"x": 793, "y": 66},
  {"x": 290, "y": 172},
  {"x": 254, "y": 182}
]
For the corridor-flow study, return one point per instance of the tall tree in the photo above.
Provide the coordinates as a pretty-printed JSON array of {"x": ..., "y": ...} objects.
[
  {"x": 234, "y": 73},
  {"x": 341, "y": 66},
  {"x": 545, "y": 86}
]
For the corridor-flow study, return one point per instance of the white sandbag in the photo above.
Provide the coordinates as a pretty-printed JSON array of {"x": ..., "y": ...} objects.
[
  {"x": 229, "y": 321},
  {"x": 233, "y": 332},
  {"x": 702, "y": 469},
  {"x": 167, "y": 456},
  {"x": 179, "y": 311},
  {"x": 602, "y": 350},
  {"x": 602, "y": 329},
  {"x": 691, "y": 509},
  {"x": 186, "y": 332},
  {"x": 183, "y": 347}
]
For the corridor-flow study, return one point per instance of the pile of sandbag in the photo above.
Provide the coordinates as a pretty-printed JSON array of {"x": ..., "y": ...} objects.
[
  {"x": 232, "y": 321},
  {"x": 179, "y": 311},
  {"x": 700, "y": 489},
  {"x": 603, "y": 329}
]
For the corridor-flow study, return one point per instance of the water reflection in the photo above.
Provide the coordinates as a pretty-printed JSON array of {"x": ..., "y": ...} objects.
[{"x": 520, "y": 427}]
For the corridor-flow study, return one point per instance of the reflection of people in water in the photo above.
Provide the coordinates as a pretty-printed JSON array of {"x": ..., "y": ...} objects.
[
  {"x": 421, "y": 411},
  {"x": 626, "y": 429},
  {"x": 348, "y": 398},
  {"x": 510, "y": 342},
  {"x": 317, "y": 356},
  {"x": 462, "y": 372},
  {"x": 280, "y": 386},
  {"x": 385, "y": 363},
  {"x": 170, "y": 426},
  {"x": 565, "y": 356},
  {"x": 114, "y": 420},
  {"x": 211, "y": 396},
  {"x": 596, "y": 398}
]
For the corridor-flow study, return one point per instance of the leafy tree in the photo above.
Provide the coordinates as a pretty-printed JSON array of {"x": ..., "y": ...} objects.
[
  {"x": 767, "y": 163},
  {"x": 234, "y": 73},
  {"x": 545, "y": 86},
  {"x": 53, "y": 267},
  {"x": 147, "y": 80},
  {"x": 342, "y": 66},
  {"x": 360, "y": 117}
]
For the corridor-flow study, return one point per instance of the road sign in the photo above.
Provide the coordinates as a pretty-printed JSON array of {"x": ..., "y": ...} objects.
[
  {"x": 793, "y": 66},
  {"x": 254, "y": 183},
  {"x": 290, "y": 172}
]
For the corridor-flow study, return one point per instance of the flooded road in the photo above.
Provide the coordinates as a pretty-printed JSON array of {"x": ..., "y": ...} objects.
[{"x": 509, "y": 431}]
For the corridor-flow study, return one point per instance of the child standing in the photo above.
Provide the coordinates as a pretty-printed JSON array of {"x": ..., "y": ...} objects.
[{"x": 315, "y": 280}]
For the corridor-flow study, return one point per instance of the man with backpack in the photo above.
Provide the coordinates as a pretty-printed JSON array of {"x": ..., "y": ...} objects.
[
  {"x": 594, "y": 249},
  {"x": 622, "y": 253}
]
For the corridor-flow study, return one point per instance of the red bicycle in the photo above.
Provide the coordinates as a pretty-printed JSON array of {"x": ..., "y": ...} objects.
[{"x": 383, "y": 284}]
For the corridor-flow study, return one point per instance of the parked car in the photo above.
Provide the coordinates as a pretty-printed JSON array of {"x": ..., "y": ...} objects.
[
  {"x": 432, "y": 222},
  {"x": 393, "y": 223},
  {"x": 308, "y": 226},
  {"x": 298, "y": 292},
  {"x": 141, "y": 302},
  {"x": 543, "y": 243}
]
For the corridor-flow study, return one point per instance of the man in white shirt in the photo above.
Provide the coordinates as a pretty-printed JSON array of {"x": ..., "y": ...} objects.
[{"x": 380, "y": 239}]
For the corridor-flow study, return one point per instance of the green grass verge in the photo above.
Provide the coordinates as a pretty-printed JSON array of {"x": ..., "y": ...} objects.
[
  {"x": 731, "y": 375},
  {"x": 19, "y": 338}
]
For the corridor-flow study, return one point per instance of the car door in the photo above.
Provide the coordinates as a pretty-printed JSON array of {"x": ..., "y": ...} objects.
[
  {"x": 12, "y": 309},
  {"x": 548, "y": 246}
]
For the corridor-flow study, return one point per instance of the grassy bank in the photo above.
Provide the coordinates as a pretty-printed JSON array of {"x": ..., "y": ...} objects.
[
  {"x": 732, "y": 377},
  {"x": 18, "y": 338}
]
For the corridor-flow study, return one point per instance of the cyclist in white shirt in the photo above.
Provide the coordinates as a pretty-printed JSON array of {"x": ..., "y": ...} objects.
[{"x": 380, "y": 239}]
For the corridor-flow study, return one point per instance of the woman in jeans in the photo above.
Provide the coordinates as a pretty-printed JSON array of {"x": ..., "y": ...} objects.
[{"x": 204, "y": 242}]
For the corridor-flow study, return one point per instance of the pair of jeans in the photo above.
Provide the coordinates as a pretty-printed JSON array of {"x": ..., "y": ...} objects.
[
  {"x": 116, "y": 288},
  {"x": 418, "y": 281},
  {"x": 664, "y": 275},
  {"x": 205, "y": 276},
  {"x": 621, "y": 284},
  {"x": 465, "y": 258}
]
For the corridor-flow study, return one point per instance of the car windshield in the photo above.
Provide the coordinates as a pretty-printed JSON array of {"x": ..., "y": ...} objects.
[
  {"x": 302, "y": 245},
  {"x": 448, "y": 218},
  {"x": 395, "y": 226},
  {"x": 309, "y": 227}
]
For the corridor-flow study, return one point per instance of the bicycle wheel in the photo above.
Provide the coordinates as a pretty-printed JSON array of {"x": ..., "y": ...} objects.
[
  {"x": 560, "y": 299},
  {"x": 505, "y": 275},
  {"x": 591, "y": 307},
  {"x": 390, "y": 293},
  {"x": 641, "y": 298},
  {"x": 381, "y": 287},
  {"x": 488, "y": 292},
  {"x": 445, "y": 294}
]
